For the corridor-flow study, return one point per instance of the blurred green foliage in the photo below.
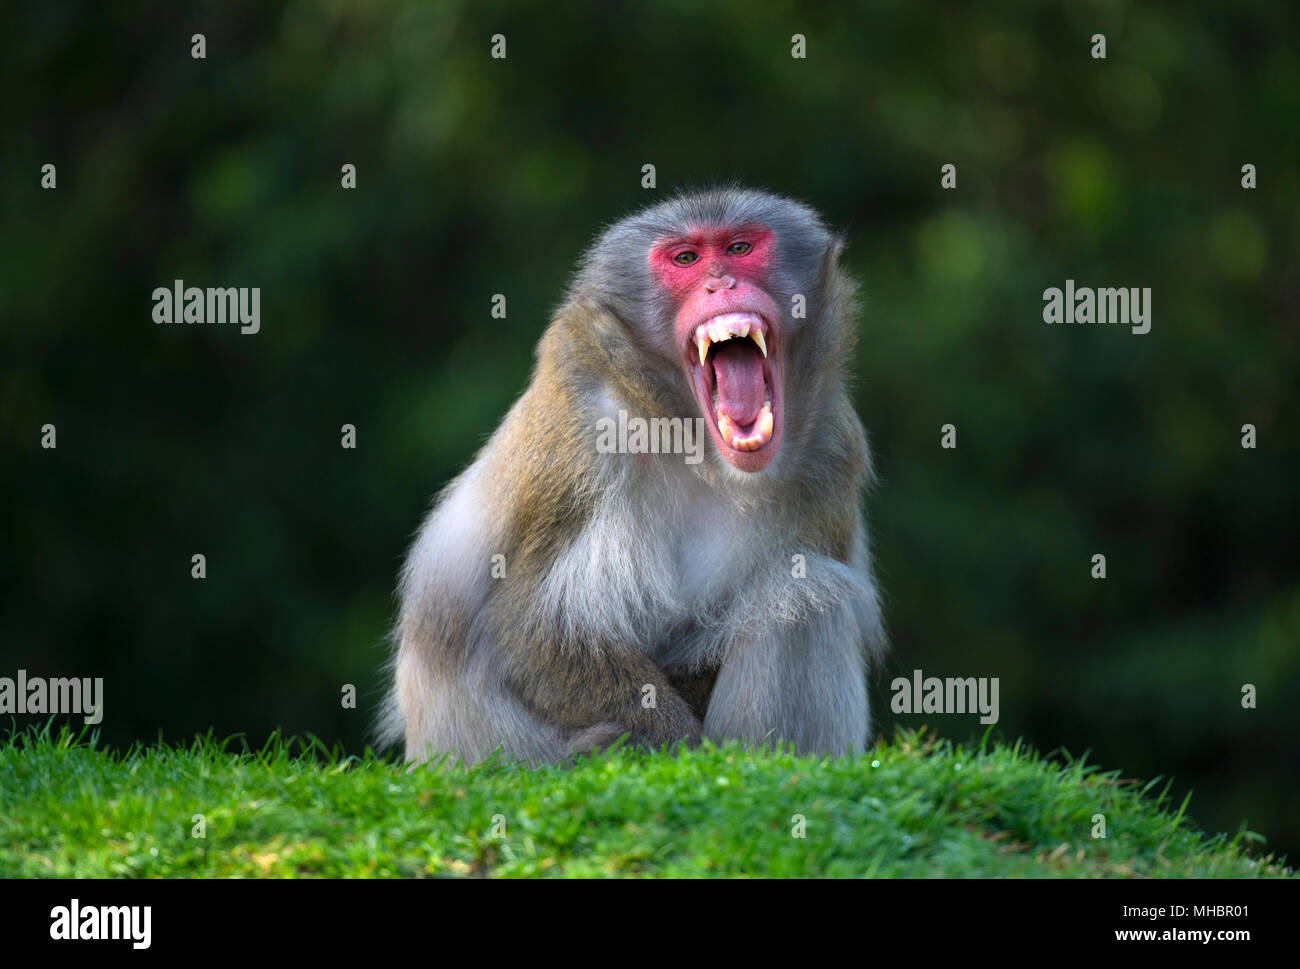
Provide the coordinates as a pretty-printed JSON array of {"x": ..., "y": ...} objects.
[{"x": 479, "y": 176}]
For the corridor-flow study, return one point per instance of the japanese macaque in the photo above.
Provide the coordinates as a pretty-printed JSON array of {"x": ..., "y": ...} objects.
[{"x": 560, "y": 596}]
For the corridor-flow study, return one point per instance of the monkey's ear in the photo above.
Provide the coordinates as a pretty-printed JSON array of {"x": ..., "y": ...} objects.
[
  {"x": 831, "y": 260},
  {"x": 835, "y": 249}
]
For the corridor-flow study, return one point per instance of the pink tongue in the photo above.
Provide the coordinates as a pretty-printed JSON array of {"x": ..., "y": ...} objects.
[{"x": 738, "y": 371}]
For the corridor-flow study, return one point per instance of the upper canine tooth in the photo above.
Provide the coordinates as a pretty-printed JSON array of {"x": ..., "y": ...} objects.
[
  {"x": 703, "y": 342},
  {"x": 762, "y": 343}
]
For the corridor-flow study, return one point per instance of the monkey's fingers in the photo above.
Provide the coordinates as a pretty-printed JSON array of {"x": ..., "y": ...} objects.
[{"x": 596, "y": 737}]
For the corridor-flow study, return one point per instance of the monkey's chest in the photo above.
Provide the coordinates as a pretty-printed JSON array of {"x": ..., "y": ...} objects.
[
  {"x": 667, "y": 572},
  {"x": 704, "y": 559},
  {"x": 711, "y": 548}
]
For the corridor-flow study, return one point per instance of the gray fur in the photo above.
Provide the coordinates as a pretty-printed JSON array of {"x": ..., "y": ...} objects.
[{"x": 690, "y": 565}]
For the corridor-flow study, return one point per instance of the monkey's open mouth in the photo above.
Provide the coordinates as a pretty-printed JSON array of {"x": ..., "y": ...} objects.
[{"x": 739, "y": 388}]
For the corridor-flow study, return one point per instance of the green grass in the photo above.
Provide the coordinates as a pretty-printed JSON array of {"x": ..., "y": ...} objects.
[{"x": 912, "y": 807}]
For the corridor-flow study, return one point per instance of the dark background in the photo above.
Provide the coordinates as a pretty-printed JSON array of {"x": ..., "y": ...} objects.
[{"x": 479, "y": 176}]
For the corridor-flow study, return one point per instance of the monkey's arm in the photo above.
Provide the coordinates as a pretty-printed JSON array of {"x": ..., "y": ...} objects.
[
  {"x": 597, "y": 692},
  {"x": 570, "y": 644},
  {"x": 800, "y": 676},
  {"x": 797, "y": 670}
]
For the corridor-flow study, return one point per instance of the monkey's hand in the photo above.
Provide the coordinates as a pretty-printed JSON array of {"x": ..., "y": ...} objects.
[
  {"x": 599, "y": 736},
  {"x": 598, "y": 693}
]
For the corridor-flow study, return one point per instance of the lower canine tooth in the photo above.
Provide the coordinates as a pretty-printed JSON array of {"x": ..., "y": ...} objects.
[{"x": 755, "y": 439}]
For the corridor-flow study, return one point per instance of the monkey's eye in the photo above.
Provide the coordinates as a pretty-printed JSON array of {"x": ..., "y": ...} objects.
[
  {"x": 738, "y": 248},
  {"x": 685, "y": 258}
]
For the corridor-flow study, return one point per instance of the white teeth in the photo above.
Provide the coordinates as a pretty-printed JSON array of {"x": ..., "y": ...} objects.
[
  {"x": 729, "y": 326},
  {"x": 755, "y": 439},
  {"x": 725, "y": 327}
]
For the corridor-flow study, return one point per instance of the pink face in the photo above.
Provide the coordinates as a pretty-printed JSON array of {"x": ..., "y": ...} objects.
[{"x": 726, "y": 328}]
